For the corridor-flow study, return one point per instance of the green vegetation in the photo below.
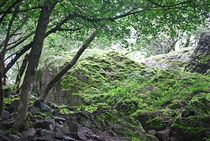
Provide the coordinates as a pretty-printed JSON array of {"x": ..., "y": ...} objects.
[
  {"x": 157, "y": 98},
  {"x": 52, "y": 75}
]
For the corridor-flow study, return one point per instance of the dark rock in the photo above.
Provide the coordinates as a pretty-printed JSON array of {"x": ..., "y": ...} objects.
[
  {"x": 152, "y": 132},
  {"x": 3, "y": 136},
  {"x": 45, "y": 138},
  {"x": 29, "y": 133},
  {"x": 62, "y": 131},
  {"x": 8, "y": 123},
  {"x": 186, "y": 133},
  {"x": 45, "y": 135},
  {"x": 67, "y": 138},
  {"x": 45, "y": 124},
  {"x": 200, "y": 60},
  {"x": 43, "y": 132},
  {"x": 41, "y": 105},
  {"x": 58, "y": 119},
  {"x": 73, "y": 127},
  {"x": 5, "y": 114},
  {"x": 163, "y": 135},
  {"x": 14, "y": 137},
  {"x": 173, "y": 139},
  {"x": 84, "y": 133},
  {"x": 188, "y": 113},
  {"x": 13, "y": 106},
  {"x": 34, "y": 110}
]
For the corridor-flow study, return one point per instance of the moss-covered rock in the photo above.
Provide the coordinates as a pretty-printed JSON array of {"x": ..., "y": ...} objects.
[
  {"x": 194, "y": 122},
  {"x": 96, "y": 71},
  {"x": 159, "y": 99}
]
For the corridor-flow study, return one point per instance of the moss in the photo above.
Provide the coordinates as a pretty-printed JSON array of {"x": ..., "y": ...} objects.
[
  {"x": 94, "y": 72},
  {"x": 156, "y": 98},
  {"x": 194, "y": 122},
  {"x": 122, "y": 125},
  {"x": 156, "y": 123},
  {"x": 184, "y": 133},
  {"x": 9, "y": 100}
]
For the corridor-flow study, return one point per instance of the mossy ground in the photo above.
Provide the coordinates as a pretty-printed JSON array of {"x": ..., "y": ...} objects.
[{"x": 157, "y": 98}]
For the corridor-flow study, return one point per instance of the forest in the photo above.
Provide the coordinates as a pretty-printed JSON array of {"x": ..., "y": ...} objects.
[{"x": 104, "y": 70}]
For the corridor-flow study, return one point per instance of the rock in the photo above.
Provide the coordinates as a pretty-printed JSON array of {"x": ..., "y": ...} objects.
[
  {"x": 34, "y": 110},
  {"x": 163, "y": 135},
  {"x": 173, "y": 139},
  {"x": 45, "y": 138},
  {"x": 73, "y": 127},
  {"x": 8, "y": 123},
  {"x": 45, "y": 135},
  {"x": 200, "y": 60},
  {"x": 58, "y": 119},
  {"x": 41, "y": 105},
  {"x": 188, "y": 113},
  {"x": 84, "y": 133},
  {"x": 29, "y": 133},
  {"x": 45, "y": 124},
  {"x": 152, "y": 132},
  {"x": 14, "y": 138},
  {"x": 5, "y": 115},
  {"x": 62, "y": 131},
  {"x": 3, "y": 136},
  {"x": 67, "y": 138},
  {"x": 13, "y": 106}
]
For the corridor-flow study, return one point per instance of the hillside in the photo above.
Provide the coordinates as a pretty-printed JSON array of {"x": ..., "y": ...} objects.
[{"x": 110, "y": 97}]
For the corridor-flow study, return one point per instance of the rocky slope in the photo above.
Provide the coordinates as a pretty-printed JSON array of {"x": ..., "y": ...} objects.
[{"x": 57, "y": 123}]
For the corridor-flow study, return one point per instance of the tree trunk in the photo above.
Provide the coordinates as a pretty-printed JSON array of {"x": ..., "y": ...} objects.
[
  {"x": 21, "y": 72},
  {"x": 1, "y": 84},
  {"x": 2, "y": 56},
  {"x": 73, "y": 61},
  {"x": 33, "y": 62}
]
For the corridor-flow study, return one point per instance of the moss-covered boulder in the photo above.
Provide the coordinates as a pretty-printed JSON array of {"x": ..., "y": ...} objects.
[
  {"x": 156, "y": 98},
  {"x": 159, "y": 99},
  {"x": 97, "y": 71},
  {"x": 194, "y": 122}
]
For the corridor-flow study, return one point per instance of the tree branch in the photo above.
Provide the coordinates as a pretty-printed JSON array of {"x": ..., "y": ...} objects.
[
  {"x": 73, "y": 61},
  {"x": 6, "y": 12}
]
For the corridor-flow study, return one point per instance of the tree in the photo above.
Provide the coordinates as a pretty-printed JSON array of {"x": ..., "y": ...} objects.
[
  {"x": 150, "y": 12},
  {"x": 76, "y": 18},
  {"x": 33, "y": 62}
]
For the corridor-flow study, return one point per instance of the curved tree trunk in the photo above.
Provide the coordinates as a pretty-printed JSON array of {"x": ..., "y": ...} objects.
[
  {"x": 73, "y": 61},
  {"x": 33, "y": 61}
]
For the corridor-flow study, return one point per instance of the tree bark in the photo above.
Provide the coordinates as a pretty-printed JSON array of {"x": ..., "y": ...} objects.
[
  {"x": 2, "y": 56},
  {"x": 73, "y": 61},
  {"x": 33, "y": 61},
  {"x": 21, "y": 72},
  {"x": 1, "y": 84}
]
